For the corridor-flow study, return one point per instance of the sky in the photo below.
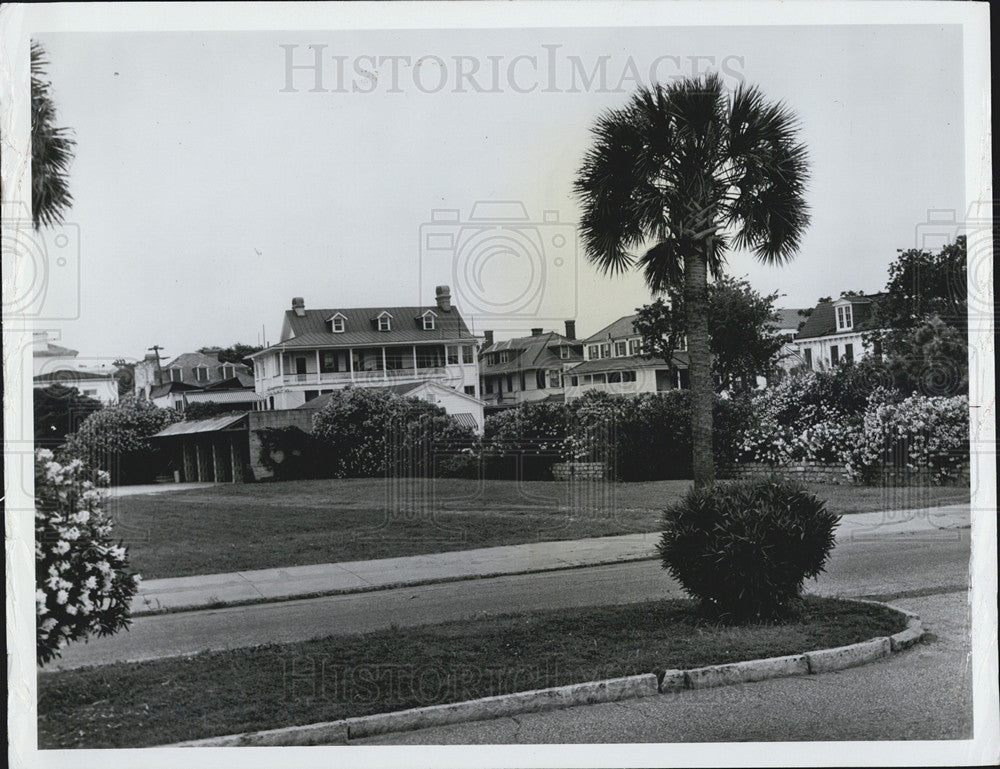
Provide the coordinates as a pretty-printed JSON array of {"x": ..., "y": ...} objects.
[{"x": 212, "y": 184}]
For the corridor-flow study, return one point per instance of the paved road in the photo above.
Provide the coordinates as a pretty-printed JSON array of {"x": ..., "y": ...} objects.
[
  {"x": 885, "y": 565},
  {"x": 923, "y": 694}
]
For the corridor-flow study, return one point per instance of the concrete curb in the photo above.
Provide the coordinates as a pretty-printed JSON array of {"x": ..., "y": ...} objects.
[{"x": 589, "y": 693}]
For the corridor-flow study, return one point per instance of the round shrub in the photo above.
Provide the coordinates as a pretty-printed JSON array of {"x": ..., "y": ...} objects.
[
  {"x": 744, "y": 549},
  {"x": 83, "y": 582}
]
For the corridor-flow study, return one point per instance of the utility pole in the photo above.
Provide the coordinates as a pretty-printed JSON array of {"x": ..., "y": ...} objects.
[{"x": 159, "y": 371}]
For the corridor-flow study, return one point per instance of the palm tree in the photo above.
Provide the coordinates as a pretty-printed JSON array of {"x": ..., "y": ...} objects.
[
  {"x": 51, "y": 150},
  {"x": 673, "y": 180}
]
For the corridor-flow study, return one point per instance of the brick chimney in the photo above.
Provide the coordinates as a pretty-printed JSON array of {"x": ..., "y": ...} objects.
[
  {"x": 442, "y": 295},
  {"x": 487, "y": 338},
  {"x": 299, "y": 306},
  {"x": 536, "y": 332},
  {"x": 571, "y": 329}
]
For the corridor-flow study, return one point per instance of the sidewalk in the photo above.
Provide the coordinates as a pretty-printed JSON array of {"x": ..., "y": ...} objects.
[{"x": 214, "y": 590}]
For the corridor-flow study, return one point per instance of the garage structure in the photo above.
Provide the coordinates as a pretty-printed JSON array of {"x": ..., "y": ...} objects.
[{"x": 212, "y": 450}]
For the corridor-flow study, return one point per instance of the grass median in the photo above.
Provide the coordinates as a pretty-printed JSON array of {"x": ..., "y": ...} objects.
[
  {"x": 267, "y": 687},
  {"x": 238, "y": 527}
]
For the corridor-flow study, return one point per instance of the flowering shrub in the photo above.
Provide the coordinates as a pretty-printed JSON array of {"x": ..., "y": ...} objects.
[
  {"x": 525, "y": 442},
  {"x": 116, "y": 439},
  {"x": 83, "y": 585},
  {"x": 918, "y": 433},
  {"x": 366, "y": 432}
]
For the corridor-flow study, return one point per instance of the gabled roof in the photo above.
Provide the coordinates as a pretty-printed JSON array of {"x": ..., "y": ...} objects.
[
  {"x": 620, "y": 329},
  {"x": 158, "y": 391},
  {"x": 194, "y": 426},
  {"x": 532, "y": 352},
  {"x": 823, "y": 320},
  {"x": 239, "y": 382},
  {"x": 311, "y": 329}
]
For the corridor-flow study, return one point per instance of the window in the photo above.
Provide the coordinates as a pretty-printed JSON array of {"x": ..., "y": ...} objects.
[
  {"x": 834, "y": 355},
  {"x": 504, "y": 356},
  {"x": 488, "y": 381},
  {"x": 574, "y": 381},
  {"x": 270, "y": 402},
  {"x": 845, "y": 320},
  {"x": 587, "y": 378},
  {"x": 429, "y": 321},
  {"x": 179, "y": 405},
  {"x": 606, "y": 350},
  {"x": 176, "y": 375},
  {"x": 628, "y": 376},
  {"x": 384, "y": 323},
  {"x": 540, "y": 379},
  {"x": 468, "y": 354},
  {"x": 849, "y": 353},
  {"x": 431, "y": 356},
  {"x": 521, "y": 381},
  {"x": 338, "y": 325},
  {"x": 633, "y": 346},
  {"x": 620, "y": 349},
  {"x": 452, "y": 356},
  {"x": 228, "y": 371},
  {"x": 808, "y": 356},
  {"x": 593, "y": 352},
  {"x": 564, "y": 351},
  {"x": 614, "y": 377},
  {"x": 311, "y": 395},
  {"x": 201, "y": 373},
  {"x": 332, "y": 361},
  {"x": 600, "y": 378},
  {"x": 300, "y": 366},
  {"x": 555, "y": 379},
  {"x": 470, "y": 390},
  {"x": 510, "y": 383},
  {"x": 90, "y": 393}
]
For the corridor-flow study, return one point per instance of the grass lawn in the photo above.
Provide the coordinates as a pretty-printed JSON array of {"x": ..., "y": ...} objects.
[
  {"x": 215, "y": 693},
  {"x": 258, "y": 526}
]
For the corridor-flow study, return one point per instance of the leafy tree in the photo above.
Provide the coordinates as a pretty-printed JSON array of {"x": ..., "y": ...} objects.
[
  {"x": 83, "y": 582},
  {"x": 59, "y": 411},
  {"x": 116, "y": 439},
  {"x": 679, "y": 175},
  {"x": 921, "y": 323},
  {"x": 744, "y": 340},
  {"x": 237, "y": 352},
  {"x": 51, "y": 149},
  {"x": 209, "y": 409}
]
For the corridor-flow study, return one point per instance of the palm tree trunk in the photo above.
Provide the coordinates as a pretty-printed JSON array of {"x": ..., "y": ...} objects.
[{"x": 699, "y": 367}]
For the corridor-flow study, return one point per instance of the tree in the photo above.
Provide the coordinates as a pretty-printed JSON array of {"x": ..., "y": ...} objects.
[
  {"x": 921, "y": 324},
  {"x": 59, "y": 411},
  {"x": 83, "y": 582},
  {"x": 51, "y": 150},
  {"x": 684, "y": 172},
  {"x": 237, "y": 352},
  {"x": 743, "y": 337},
  {"x": 116, "y": 439}
]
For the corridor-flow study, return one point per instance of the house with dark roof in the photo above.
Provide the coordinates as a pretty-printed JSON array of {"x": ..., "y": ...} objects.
[
  {"x": 834, "y": 332},
  {"x": 326, "y": 349},
  {"x": 613, "y": 362},
  {"x": 528, "y": 368},
  {"x": 195, "y": 377}
]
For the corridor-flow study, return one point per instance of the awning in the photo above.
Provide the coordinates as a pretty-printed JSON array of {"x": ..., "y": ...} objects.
[
  {"x": 201, "y": 426},
  {"x": 221, "y": 396},
  {"x": 466, "y": 419}
]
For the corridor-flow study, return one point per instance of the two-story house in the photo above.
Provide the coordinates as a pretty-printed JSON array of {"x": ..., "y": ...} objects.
[
  {"x": 613, "y": 362},
  {"x": 528, "y": 368},
  {"x": 194, "y": 377},
  {"x": 326, "y": 349},
  {"x": 834, "y": 332}
]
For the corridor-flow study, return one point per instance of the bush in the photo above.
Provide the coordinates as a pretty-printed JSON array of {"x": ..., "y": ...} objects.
[
  {"x": 116, "y": 439},
  {"x": 209, "y": 409},
  {"x": 59, "y": 411},
  {"x": 290, "y": 453},
  {"x": 744, "y": 549},
  {"x": 367, "y": 432},
  {"x": 524, "y": 442},
  {"x": 83, "y": 585}
]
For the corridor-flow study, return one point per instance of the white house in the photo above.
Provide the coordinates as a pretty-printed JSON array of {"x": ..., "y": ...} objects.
[
  {"x": 326, "y": 349},
  {"x": 53, "y": 364},
  {"x": 613, "y": 363},
  {"x": 834, "y": 332}
]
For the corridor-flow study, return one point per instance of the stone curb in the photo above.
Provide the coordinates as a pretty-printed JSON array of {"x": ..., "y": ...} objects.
[{"x": 589, "y": 693}]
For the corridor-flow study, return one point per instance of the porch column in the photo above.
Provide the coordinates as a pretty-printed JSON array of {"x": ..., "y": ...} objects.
[
  {"x": 319, "y": 377},
  {"x": 414, "y": 360},
  {"x": 215, "y": 464},
  {"x": 350, "y": 361},
  {"x": 197, "y": 459},
  {"x": 385, "y": 373},
  {"x": 281, "y": 366},
  {"x": 232, "y": 456}
]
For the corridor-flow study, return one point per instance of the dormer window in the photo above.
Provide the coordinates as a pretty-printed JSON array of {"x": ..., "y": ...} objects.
[
  {"x": 845, "y": 320},
  {"x": 504, "y": 357},
  {"x": 176, "y": 375},
  {"x": 338, "y": 323},
  {"x": 428, "y": 319},
  {"x": 201, "y": 373},
  {"x": 564, "y": 352},
  {"x": 384, "y": 321},
  {"x": 228, "y": 371}
]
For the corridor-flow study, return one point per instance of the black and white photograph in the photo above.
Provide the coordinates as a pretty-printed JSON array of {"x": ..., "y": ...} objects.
[{"x": 499, "y": 384}]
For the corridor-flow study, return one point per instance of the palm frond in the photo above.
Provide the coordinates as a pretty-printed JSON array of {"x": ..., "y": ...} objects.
[{"x": 51, "y": 150}]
